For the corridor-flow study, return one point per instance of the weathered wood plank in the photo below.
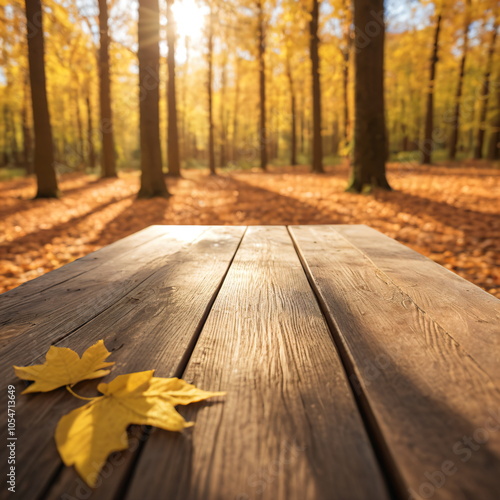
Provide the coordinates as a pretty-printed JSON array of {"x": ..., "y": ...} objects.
[
  {"x": 28, "y": 327},
  {"x": 153, "y": 325},
  {"x": 468, "y": 314},
  {"x": 288, "y": 427},
  {"x": 433, "y": 409}
]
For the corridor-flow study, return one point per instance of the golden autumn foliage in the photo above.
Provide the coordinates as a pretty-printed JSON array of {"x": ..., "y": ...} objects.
[
  {"x": 85, "y": 437},
  {"x": 63, "y": 367},
  {"x": 72, "y": 78}
]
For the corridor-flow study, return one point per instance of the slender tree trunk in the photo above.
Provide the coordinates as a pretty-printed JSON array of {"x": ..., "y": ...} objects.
[
  {"x": 429, "y": 115},
  {"x": 108, "y": 155},
  {"x": 346, "y": 55},
  {"x": 293, "y": 111},
  {"x": 456, "y": 115},
  {"x": 345, "y": 87},
  {"x": 185, "y": 129},
  {"x": 13, "y": 139},
  {"x": 494, "y": 141},
  {"x": 5, "y": 149},
  {"x": 485, "y": 94},
  {"x": 152, "y": 179},
  {"x": 174, "y": 164},
  {"x": 211, "y": 145},
  {"x": 317, "y": 149},
  {"x": 261, "y": 37},
  {"x": 370, "y": 135},
  {"x": 302, "y": 124},
  {"x": 494, "y": 144},
  {"x": 91, "y": 158},
  {"x": 234, "y": 148},
  {"x": 222, "y": 117},
  {"x": 79, "y": 125},
  {"x": 44, "y": 146},
  {"x": 27, "y": 140},
  {"x": 335, "y": 137}
]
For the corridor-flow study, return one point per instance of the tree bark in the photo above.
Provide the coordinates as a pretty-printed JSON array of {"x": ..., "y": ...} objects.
[
  {"x": 10, "y": 124},
  {"x": 302, "y": 128},
  {"x": 427, "y": 145},
  {"x": 345, "y": 86},
  {"x": 455, "y": 124},
  {"x": 184, "y": 126},
  {"x": 108, "y": 155},
  {"x": 317, "y": 149},
  {"x": 44, "y": 147},
  {"x": 27, "y": 140},
  {"x": 370, "y": 134},
  {"x": 222, "y": 114},
  {"x": 346, "y": 55},
  {"x": 234, "y": 148},
  {"x": 211, "y": 145},
  {"x": 152, "y": 179},
  {"x": 261, "y": 38},
  {"x": 91, "y": 159},
  {"x": 79, "y": 126},
  {"x": 485, "y": 94},
  {"x": 494, "y": 142},
  {"x": 293, "y": 111},
  {"x": 174, "y": 165}
]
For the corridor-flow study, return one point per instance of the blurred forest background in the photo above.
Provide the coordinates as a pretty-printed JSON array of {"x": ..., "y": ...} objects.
[{"x": 150, "y": 98}]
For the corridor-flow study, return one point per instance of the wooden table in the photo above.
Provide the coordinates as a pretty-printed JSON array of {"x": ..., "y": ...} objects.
[{"x": 354, "y": 367}]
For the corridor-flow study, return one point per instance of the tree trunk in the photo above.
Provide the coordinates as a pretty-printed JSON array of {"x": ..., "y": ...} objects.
[
  {"x": 345, "y": 86},
  {"x": 302, "y": 124},
  {"x": 13, "y": 139},
  {"x": 91, "y": 159},
  {"x": 494, "y": 142},
  {"x": 211, "y": 145},
  {"x": 317, "y": 149},
  {"x": 485, "y": 91},
  {"x": 44, "y": 146},
  {"x": 370, "y": 135},
  {"x": 261, "y": 37},
  {"x": 234, "y": 148},
  {"x": 335, "y": 137},
  {"x": 429, "y": 116},
  {"x": 152, "y": 179},
  {"x": 346, "y": 21},
  {"x": 174, "y": 165},
  {"x": 293, "y": 111},
  {"x": 222, "y": 114},
  {"x": 79, "y": 125},
  {"x": 456, "y": 115},
  {"x": 184, "y": 126},
  {"x": 27, "y": 140},
  {"x": 108, "y": 155}
]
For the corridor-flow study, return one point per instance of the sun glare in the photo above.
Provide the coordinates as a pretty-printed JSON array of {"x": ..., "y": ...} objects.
[{"x": 190, "y": 18}]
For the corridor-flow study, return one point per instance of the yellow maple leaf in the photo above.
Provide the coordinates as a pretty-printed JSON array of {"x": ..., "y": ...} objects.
[
  {"x": 63, "y": 366},
  {"x": 86, "y": 436}
]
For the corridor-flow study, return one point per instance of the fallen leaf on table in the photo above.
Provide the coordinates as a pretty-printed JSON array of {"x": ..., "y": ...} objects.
[
  {"x": 86, "y": 436},
  {"x": 63, "y": 366}
]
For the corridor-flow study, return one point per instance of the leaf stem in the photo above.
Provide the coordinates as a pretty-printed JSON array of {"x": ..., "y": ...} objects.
[{"x": 72, "y": 392}]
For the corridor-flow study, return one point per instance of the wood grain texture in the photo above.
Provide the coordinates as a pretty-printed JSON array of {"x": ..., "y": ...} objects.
[
  {"x": 432, "y": 408},
  {"x": 32, "y": 323},
  {"x": 468, "y": 314},
  {"x": 151, "y": 326},
  {"x": 288, "y": 427}
]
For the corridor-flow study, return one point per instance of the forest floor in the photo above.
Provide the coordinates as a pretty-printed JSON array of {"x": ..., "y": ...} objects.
[{"x": 449, "y": 213}]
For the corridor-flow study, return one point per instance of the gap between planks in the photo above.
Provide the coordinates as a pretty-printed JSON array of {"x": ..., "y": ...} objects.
[{"x": 141, "y": 434}]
